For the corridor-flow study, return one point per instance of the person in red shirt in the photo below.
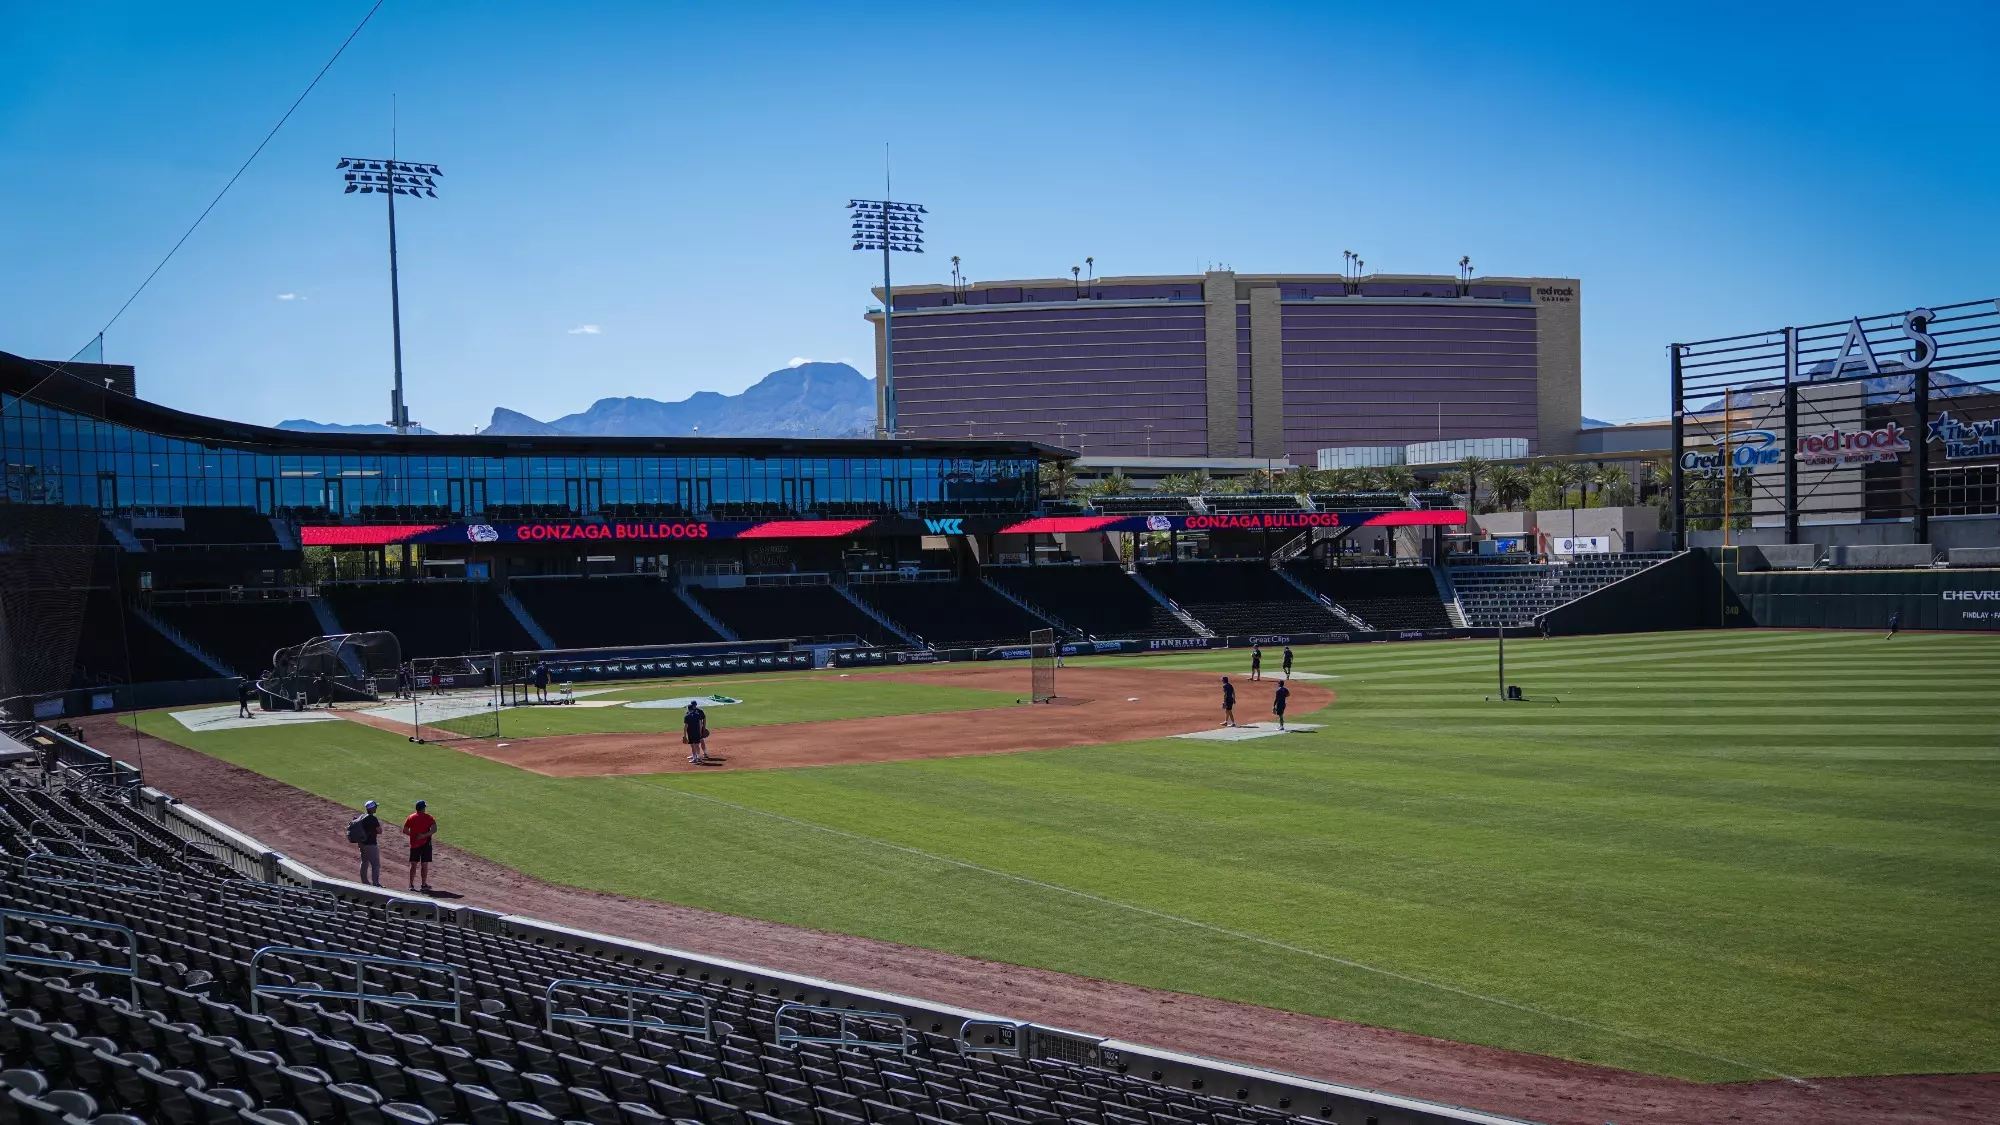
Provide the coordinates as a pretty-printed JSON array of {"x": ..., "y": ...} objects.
[{"x": 421, "y": 828}]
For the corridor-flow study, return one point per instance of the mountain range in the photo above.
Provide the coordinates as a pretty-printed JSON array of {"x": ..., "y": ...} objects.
[{"x": 808, "y": 400}]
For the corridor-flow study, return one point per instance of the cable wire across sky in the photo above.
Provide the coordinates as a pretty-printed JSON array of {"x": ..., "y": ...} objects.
[{"x": 254, "y": 153}]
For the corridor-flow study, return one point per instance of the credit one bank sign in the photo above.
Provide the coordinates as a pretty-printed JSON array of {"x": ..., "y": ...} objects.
[{"x": 1751, "y": 450}]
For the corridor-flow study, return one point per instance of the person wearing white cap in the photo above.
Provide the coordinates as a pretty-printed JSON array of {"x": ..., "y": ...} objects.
[{"x": 365, "y": 831}]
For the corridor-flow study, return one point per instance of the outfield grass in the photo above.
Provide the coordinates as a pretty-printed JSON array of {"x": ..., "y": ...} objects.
[
  {"x": 1720, "y": 856},
  {"x": 781, "y": 698}
]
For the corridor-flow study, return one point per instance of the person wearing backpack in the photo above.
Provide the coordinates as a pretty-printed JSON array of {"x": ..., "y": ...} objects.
[{"x": 365, "y": 831}]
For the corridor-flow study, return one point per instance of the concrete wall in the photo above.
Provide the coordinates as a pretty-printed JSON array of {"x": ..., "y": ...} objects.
[
  {"x": 1558, "y": 364},
  {"x": 1642, "y": 520},
  {"x": 1267, "y": 374},
  {"x": 1946, "y": 532},
  {"x": 1218, "y": 289}
]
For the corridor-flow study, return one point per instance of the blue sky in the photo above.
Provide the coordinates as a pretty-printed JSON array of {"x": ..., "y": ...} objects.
[{"x": 673, "y": 175}]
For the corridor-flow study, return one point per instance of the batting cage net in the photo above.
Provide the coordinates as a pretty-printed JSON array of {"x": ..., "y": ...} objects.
[
  {"x": 1042, "y": 664},
  {"x": 343, "y": 668},
  {"x": 455, "y": 697}
]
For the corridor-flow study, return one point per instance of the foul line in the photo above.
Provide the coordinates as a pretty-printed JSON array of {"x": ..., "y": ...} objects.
[{"x": 1239, "y": 934}]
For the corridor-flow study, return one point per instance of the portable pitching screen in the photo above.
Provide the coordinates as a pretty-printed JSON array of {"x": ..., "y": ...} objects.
[
  {"x": 1042, "y": 664},
  {"x": 454, "y": 697}
]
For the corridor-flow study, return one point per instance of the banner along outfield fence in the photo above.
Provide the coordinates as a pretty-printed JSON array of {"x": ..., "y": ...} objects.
[{"x": 1832, "y": 599}]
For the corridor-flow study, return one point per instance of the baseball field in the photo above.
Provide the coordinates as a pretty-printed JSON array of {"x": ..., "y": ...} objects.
[{"x": 1719, "y": 856}]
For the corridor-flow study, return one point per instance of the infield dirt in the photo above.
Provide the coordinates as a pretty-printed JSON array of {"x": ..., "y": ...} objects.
[{"x": 1094, "y": 706}]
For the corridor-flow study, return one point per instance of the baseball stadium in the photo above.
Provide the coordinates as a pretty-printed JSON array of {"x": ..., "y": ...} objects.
[{"x": 829, "y": 782}]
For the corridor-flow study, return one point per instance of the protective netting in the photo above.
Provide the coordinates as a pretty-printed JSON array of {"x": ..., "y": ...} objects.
[
  {"x": 344, "y": 667},
  {"x": 47, "y": 576},
  {"x": 454, "y": 697}
]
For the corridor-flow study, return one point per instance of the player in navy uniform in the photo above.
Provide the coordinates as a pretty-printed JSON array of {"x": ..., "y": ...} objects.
[
  {"x": 1256, "y": 662},
  {"x": 1288, "y": 660},
  {"x": 1228, "y": 703},
  {"x": 1278, "y": 703}
]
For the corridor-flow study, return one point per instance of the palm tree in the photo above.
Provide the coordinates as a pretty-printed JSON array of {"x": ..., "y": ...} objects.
[
  {"x": 1263, "y": 481},
  {"x": 1473, "y": 467},
  {"x": 1058, "y": 479},
  {"x": 1560, "y": 475},
  {"x": 1395, "y": 478},
  {"x": 1614, "y": 486},
  {"x": 1510, "y": 487},
  {"x": 1117, "y": 484},
  {"x": 1186, "y": 484}
]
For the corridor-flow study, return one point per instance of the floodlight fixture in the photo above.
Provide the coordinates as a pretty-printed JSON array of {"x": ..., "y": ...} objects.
[
  {"x": 887, "y": 225},
  {"x": 391, "y": 178}
]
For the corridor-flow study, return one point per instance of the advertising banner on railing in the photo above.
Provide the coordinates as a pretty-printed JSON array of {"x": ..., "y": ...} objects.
[{"x": 611, "y": 533}]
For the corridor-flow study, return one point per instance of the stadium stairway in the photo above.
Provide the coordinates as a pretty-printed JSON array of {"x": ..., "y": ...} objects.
[
  {"x": 1241, "y": 598},
  {"x": 1193, "y": 626},
  {"x": 1505, "y": 594},
  {"x": 431, "y": 617},
  {"x": 1062, "y": 628},
  {"x": 877, "y": 616},
  {"x": 813, "y": 612},
  {"x": 1386, "y": 597},
  {"x": 525, "y": 619},
  {"x": 153, "y": 988},
  {"x": 954, "y": 612},
  {"x": 699, "y": 610},
  {"x": 180, "y": 640},
  {"x": 1325, "y": 602},
  {"x": 612, "y": 611},
  {"x": 1098, "y": 599},
  {"x": 242, "y": 634}
]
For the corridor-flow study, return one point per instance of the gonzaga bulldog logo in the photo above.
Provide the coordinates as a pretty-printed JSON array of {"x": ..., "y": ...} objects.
[
  {"x": 1159, "y": 523},
  {"x": 482, "y": 533}
]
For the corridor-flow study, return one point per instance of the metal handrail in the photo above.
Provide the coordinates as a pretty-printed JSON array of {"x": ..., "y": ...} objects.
[
  {"x": 1009, "y": 1036},
  {"x": 361, "y": 996},
  {"x": 132, "y": 838},
  {"x": 706, "y": 1028},
  {"x": 54, "y": 862},
  {"x": 224, "y": 854},
  {"x": 130, "y": 972},
  {"x": 248, "y": 890},
  {"x": 843, "y": 1039}
]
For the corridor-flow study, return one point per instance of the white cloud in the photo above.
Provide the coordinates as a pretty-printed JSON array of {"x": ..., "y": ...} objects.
[
  {"x": 289, "y": 297},
  {"x": 585, "y": 330}
]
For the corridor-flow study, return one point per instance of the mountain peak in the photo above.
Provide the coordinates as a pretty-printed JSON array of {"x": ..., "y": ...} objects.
[{"x": 810, "y": 399}]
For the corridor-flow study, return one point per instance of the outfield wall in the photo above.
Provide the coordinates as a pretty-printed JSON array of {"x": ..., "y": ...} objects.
[
  {"x": 1683, "y": 592},
  {"x": 1833, "y": 599}
]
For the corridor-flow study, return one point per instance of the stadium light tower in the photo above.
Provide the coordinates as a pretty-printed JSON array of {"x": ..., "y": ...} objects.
[
  {"x": 885, "y": 225},
  {"x": 392, "y": 178}
]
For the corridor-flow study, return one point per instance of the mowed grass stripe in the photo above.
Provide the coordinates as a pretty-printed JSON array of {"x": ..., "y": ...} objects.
[{"x": 1749, "y": 846}]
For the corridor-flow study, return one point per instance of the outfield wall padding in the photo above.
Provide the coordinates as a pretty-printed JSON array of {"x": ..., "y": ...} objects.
[
  {"x": 1683, "y": 592},
  {"x": 1920, "y": 599}
]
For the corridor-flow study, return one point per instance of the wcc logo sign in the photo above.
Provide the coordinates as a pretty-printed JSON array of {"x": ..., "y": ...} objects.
[{"x": 945, "y": 527}]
